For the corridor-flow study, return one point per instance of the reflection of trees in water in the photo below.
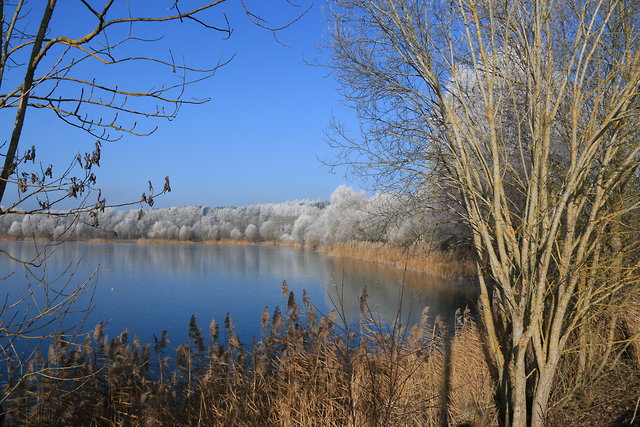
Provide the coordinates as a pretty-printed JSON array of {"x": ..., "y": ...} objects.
[
  {"x": 186, "y": 260},
  {"x": 347, "y": 277},
  {"x": 184, "y": 263}
]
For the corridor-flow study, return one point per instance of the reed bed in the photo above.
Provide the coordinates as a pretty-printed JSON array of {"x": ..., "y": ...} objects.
[
  {"x": 304, "y": 369},
  {"x": 632, "y": 323},
  {"x": 422, "y": 258}
]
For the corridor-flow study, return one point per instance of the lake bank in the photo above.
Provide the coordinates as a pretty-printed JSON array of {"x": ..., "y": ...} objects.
[{"x": 418, "y": 258}]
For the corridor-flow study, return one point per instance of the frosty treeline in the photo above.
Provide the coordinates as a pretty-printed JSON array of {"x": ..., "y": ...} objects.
[{"x": 348, "y": 215}]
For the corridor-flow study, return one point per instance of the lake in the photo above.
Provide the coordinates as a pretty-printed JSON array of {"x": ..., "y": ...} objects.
[{"x": 154, "y": 287}]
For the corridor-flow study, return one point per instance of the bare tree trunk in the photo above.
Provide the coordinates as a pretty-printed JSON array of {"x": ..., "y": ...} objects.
[
  {"x": 27, "y": 84},
  {"x": 518, "y": 379},
  {"x": 544, "y": 387}
]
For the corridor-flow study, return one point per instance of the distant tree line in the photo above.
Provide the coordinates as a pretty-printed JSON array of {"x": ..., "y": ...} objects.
[{"x": 348, "y": 215}]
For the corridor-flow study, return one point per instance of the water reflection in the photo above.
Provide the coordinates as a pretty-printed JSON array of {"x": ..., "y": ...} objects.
[
  {"x": 393, "y": 292},
  {"x": 151, "y": 287}
]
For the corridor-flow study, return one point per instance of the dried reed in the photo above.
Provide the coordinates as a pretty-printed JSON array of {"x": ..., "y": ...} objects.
[
  {"x": 303, "y": 370},
  {"x": 420, "y": 258}
]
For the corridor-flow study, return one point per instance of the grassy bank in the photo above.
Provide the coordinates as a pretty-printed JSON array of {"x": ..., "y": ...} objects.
[
  {"x": 161, "y": 241},
  {"x": 420, "y": 258}
]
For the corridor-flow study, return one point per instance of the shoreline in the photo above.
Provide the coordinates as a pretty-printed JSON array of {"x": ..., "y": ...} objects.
[
  {"x": 418, "y": 258},
  {"x": 146, "y": 241}
]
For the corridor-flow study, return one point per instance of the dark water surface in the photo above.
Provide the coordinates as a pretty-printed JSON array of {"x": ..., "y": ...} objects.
[{"x": 152, "y": 287}]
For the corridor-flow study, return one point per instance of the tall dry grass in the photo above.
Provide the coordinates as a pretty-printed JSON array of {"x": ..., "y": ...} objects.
[
  {"x": 632, "y": 326},
  {"x": 472, "y": 386},
  {"x": 420, "y": 258},
  {"x": 304, "y": 369}
]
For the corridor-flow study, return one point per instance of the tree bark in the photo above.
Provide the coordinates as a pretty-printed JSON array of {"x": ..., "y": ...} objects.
[{"x": 27, "y": 85}]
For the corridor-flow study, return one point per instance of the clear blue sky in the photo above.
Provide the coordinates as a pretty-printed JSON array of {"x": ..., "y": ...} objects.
[{"x": 258, "y": 140}]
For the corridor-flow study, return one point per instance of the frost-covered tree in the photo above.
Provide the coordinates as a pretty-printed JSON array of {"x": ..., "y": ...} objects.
[
  {"x": 340, "y": 221},
  {"x": 235, "y": 234},
  {"x": 348, "y": 215},
  {"x": 251, "y": 233},
  {"x": 268, "y": 231}
]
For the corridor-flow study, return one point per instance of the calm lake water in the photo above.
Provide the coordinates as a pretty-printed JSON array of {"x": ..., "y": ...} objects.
[{"x": 152, "y": 287}]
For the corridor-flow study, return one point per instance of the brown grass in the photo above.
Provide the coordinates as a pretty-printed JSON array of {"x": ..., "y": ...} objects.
[
  {"x": 160, "y": 241},
  {"x": 472, "y": 387},
  {"x": 302, "y": 371},
  {"x": 632, "y": 326},
  {"x": 420, "y": 258},
  {"x": 232, "y": 242}
]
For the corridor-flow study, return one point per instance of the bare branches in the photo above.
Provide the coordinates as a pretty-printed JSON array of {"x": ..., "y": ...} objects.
[
  {"x": 56, "y": 76},
  {"x": 43, "y": 66},
  {"x": 527, "y": 115},
  {"x": 79, "y": 79},
  {"x": 262, "y": 23},
  {"x": 57, "y": 79},
  {"x": 103, "y": 110},
  {"x": 76, "y": 182}
]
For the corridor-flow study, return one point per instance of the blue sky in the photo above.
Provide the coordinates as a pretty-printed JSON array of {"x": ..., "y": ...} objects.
[{"x": 257, "y": 141}]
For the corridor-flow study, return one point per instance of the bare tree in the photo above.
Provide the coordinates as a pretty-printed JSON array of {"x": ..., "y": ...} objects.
[
  {"x": 527, "y": 112},
  {"x": 45, "y": 65},
  {"x": 39, "y": 69},
  {"x": 73, "y": 74}
]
